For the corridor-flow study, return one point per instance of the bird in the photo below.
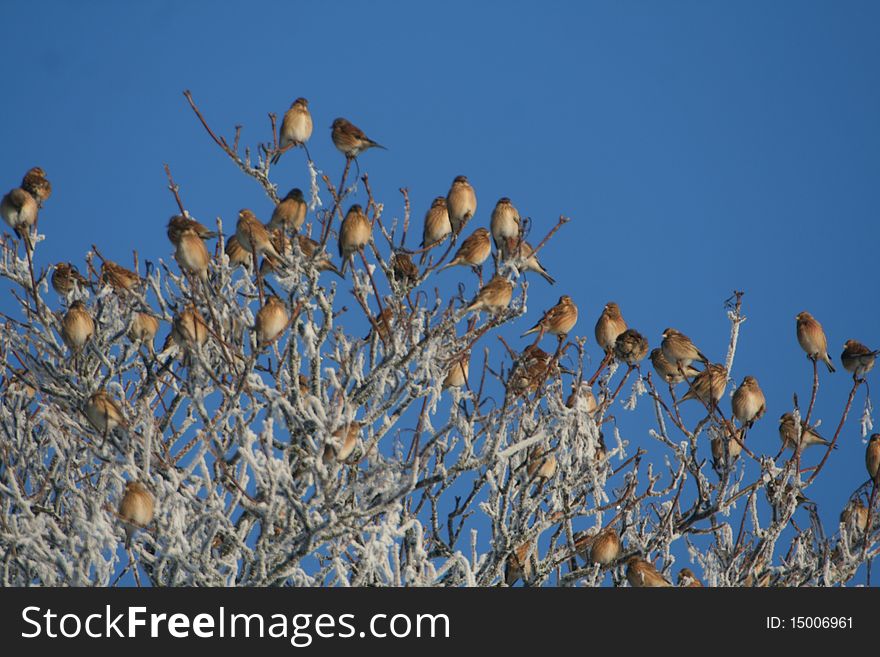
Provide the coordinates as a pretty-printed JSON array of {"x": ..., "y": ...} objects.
[
  {"x": 606, "y": 547},
  {"x": 473, "y": 252},
  {"x": 631, "y": 347},
  {"x": 118, "y": 277},
  {"x": 559, "y": 320},
  {"x": 857, "y": 358},
  {"x": 65, "y": 277},
  {"x": 505, "y": 222},
  {"x": 144, "y": 327},
  {"x": 530, "y": 370},
  {"x": 609, "y": 325},
  {"x": 582, "y": 394},
  {"x": 290, "y": 213},
  {"x": 461, "y": 203},
  {"x": 708, "y": 386},
  {"x": 668, "y": 371},
  {"x": 322, "y": 261},
  {"x": 271, "y": 320},
  {"x": 384, "y": 323},
  {"x": 188, "y": 329},
  {"x": 521, "y": 251},
  {"x": 19, "y": 210},
  {"x": 77, "y": 327},
  {"x": 872, "y": 458},
  {"x": 687, "y": 579},
  {"x": 748, "y": 403},
  {"x": 37, "y": 185},
  {"x": 788, "y": 433},
  {"x": 541, "y": 464},
  {"x": 518, "y": 565},
  {"x": 855, "y": 514},
  {"x": 456, "y": 376},
  {"x": 404, "y": 269},
  {"x": 282, "y": 245},
  {"x": 236, "y": 253},
  {"x": 296, "y": 127},
  {"x": 104, "y": 413},
  {"x": 351, "y": 140},
  {"x": 734, "y": 449},
  {"x": 437, "y": 225},
  {"x": 342, "y": 443},
  {"x": 192, "y": 254},
  {"x": 641, "y": 573},
  {"x": 812, "y": 339},
  {"x": 354, "y": 234},
  {"x": 679, "y": 350},
  {"x": 253, "y": 236},
  {"x": 136, "y": 509},
  {"x": 493, "y": 297},
  {"x": 179, "y": 223}
]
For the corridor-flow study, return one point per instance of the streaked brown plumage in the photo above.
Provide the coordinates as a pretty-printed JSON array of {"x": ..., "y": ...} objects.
[
  {"x": 530, "y": 370},
  {"x": 339, "y": 449},
  {"x": 189, "y": 329},
  {"x": 788, "y": 433},
  {"x": 238, "y": 257},
  {"x": 271, "y": 320},
  {"x": 857, "y": 358},
  {"x": 473, "y": 252},
  {"x": 178, "y": 223},
  {"x": 855, "y": 514},
  {"x": 734, "y": 449},
  {"x": 384, "y": 323},
  {"x": 493, "y": 297},
  {"x": 136, "y": 509},
  {"x": 668, "y": 371},
  {"x": 541, "y": 463},
  {"x": 606, "y": 547},
  {"x": 872, "y": 458},
  {"x": 77, "y": 327},
  {"x": 19, "y": 210},
  {"x": 518, "y": 564},
  {"x": 456, "y": 376},
  {"x": 582, "y": 394},
  {"x": 748, "y": 403},
  {"x": 144, "y": 328},
  {"x": 505, "y": 222},
  {"x": 37, "y": 185},
  {"x": 282, "y": 245},
  {"x": 290, "y": 213},
  {"x": 641, "y": 573},
  {"x": 609, "y": 325},
  {"x": 65, "y": 276},
  {"x": 559, "y": 320},
  {"x": 437, "y": 226},
  {"x": 405, "y": 270},
  {"x": 522, "y": 252},
  {"x": 812, "y": 339},
  {"x": 192, "y": 254},
  {"x": 351, "y": 140},
  {"x": 322, "y": 262},
  {"x": 461, "y": 203},
  {"x": 296, "y": 127},
  {"x": 117, "y": 277},
  {"x": 354, "y": 234},
  {"x": 679, "y": 350},
  {"x": 631, "y": 347},
  {"x": 104, "y": 413},
  {"x": 687, "y": 579},
  {"x": 253, "y": 236},
  {"x": 708, "y": 386}
]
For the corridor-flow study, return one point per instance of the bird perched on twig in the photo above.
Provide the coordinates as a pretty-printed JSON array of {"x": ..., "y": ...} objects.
[
  {"x": 37, "y": 185},
  {"x": 788, "y": 433},
  {"x": 521, "y": 251},
  {"x": 271, "y": 320},
  {"x": 493, "y": 297},
  {"x": 19, "y": 210},
  {"x": 144, "y": 328},
  {"x": 342, "y": 443},
  {"x": 812, "y": 339},
  {"x": 605, "y": 547},
  {"x": 461, "y": 203},
  {"x": 748, "y": 403},
  {"x": 322, "y": 262},
  {"x": 872, "y": 458},
  {"x": 136, "y": 509},
  {"x": 679, "y": 350},
  {"x": 253, "y": 236},
  {"x": 518, "y": 565},
  {"x": 457, "y": 375},
  {"x": 530, "y": 370},
  {"x": 66, "y": 277},
  {"x": 631, "y": 347},
  {"x": 179, "y": 223},
  {"x": 505, "y": 222},
  {"x": 404, "y": 269},
  {"x": 290, "y": 213},
  {"x": 118, "y": 277},
  {"x": 559, "y": 320},
  {"x": 437, "y": 225},
  {"x": 104, "y": 413},
  {"x": 708, "y": 386},
  {"x": 351, "y": 140},
  {"x": 188, "y": 330},
  {"x": 296, "y": 127},
  {"x": 354, "y": 234},
  {"x": 238, "y": 257},
  {"x": 734, "y": 448},
  {"x": 609, "y": 325},
  {"x": 855, "y": 514},
  {"x": 541, "y": 464},
  {"x": 191, "y": 253},
  {"x": 473, "y": 251},
  {"x": 668, "y": 371},
  {"x": 77, "y": 327},
  {"x": 687, "y": 579},
  {"x": 641, "y": 573},
  {"x": 857, "y": 358},
  {"x": 582, "y": 394}
]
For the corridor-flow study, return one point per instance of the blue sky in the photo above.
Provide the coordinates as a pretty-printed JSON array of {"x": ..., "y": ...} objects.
[{"x": 699, "y": 147}]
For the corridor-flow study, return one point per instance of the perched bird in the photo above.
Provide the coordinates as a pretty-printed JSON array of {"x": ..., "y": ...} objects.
[
  {"x": 559, "y": 320},
  {"x": 687, "y": 579},
  {"x": 136, "y": 509},
  {"x": 384, "y": 323},
  {"x": 117, "y": 277},
  {"x": 77, "y": 327},
  {"x": 296, "y": 127},
  {"x": 541, "y": 464},
  {"x": 351, "y": 140},
  {"x": 282, "y": 245},
  {"x": 405, "y": 270},
  {"x": 855, "y": 514},
  {"x": 192, "y": 254},
  {"x": 238, "y": 257},
  {"x": 343, "y": 442},
  {"x": 19, "y": 210},
  {"x": 104, "y": 413},
  {"x": 631, "y": 347},
  {"x": 812, "y": 339},
  {"x": 37, "y": 185},
  {"x": 322, "y": 261},
  {"x": 290, "y": 213},
  {"x": 473, "y": 251},
  {"x": 748, "y": 403},
  {"x": 734, "y": 449},
  {"x": 457, "y": 375},
  {"x": 609, "y": 325},
  {"x": 253, "y": 236},
  {"x": 271, "y": 320},
  {"x": 668, "y": 371},
  {"x": 505, "y": 222},
  {"x": 518, "y": 565},
  {"x": 461, "y": 203},
  {"x": 65, "y": 277},
  {"x": 788, "y": 433},
  {"x": 582, "y": 394},
  {"x": 493, "y": 297},
  {"x": 679, "y": 350},
  {"x": 708, "y": 386},
  {"x": 179, "y": 223},
  {"x": 188, "y": 329},
  {"x": 143, "y": 329},
  {"x": 857, "y": 358},
  {"x": 521, "y": 251},
  {"x": 872, "y": 458},
  {"x": 642, "y": 573},
  {"x": 606, "y": 547},
  {"x": 530, "y": 370},
  {"x": 303, "y": 384},
  {"x": 354, "y": 234},
  {"x": 437, "y": 225}
]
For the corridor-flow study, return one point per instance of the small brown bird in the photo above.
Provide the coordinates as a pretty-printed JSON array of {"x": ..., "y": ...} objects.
[
  {"x": 271, "y": 321},
  {"x": 354, "y": 234},
  {"x": 189, "y": 329},
  {"x": 812, "y": 339},
  {"x": 541, "y": 464},
  {"x": 238, "y": 257},
  {"x": 518, "y": 564},
  {"x": 505, "y": 222},
  {"x": 582, "y": 394},
  {"x": 461, "y": 203},
  {"x": 322, "y": 262},
  {"x": 338, "y": 449},
  {"x": 144, "y": 328},
  {"x": 748, "y": 403},
  {"x": 493, "y": 297},
  {"x": 77, "y": 327},
  {"x": 290, "y": 213},
  {"x": 668, "y": 371},
  {"x": 521, "y": 251},
  {"x": 631, "y": 347},
  {"x": 19, "y": 210},
  {"x": 37, "y": 185},
  {"x": 65, "y": 277},
  {"x": 788, "y": 433},
  {"x": 437, "y": 226},
  {"x": 606, "y": 547},
  {"x": 473, "y": 251},
  {"x": 253, "y": 236},
  {"x": 457, "y": 375},
  {"x": 119, "y": 278},
  {"x": 708, "y": 386},
  {"x": 559, "y": 320},
  {"x": 296, "y": 127},
  {"x": 282, "y": 245},
  {"x": 641, "y": 573},
  {"x": 734, "y": 449},
  {"x": 179, "y": 223},
  {"x": 687, "y": 579},
  {"x": 872, "y": 458},
  {"x": 104, "y": 413},
  {"x": 192, "y": 254},
  {"x": 530, "y": 370},
  {"x": 136, "y": 509},
  {"x": 679, "y": 350},
  {"x": 855, "y": 514},
  {"x": 405, "y": 270},
  {"x": 857, "y": 358},
  {"x": 351, "y": 140},
  {"x": 609, "y": 325},
  {"x": 384, "y": 324}
]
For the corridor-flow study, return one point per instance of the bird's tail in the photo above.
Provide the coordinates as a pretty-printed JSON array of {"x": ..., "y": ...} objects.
[
  {"x": 547, "y": 276},
  {"x": 376, "y": 144},
  {"x": 828, "y": 364}
]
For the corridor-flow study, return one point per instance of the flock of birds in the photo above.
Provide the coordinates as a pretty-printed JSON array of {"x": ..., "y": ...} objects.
[{"x": 673, "y": 360}]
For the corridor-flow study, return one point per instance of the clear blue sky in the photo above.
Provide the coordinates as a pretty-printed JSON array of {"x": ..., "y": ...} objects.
[{"x": 697, "y": 146}]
